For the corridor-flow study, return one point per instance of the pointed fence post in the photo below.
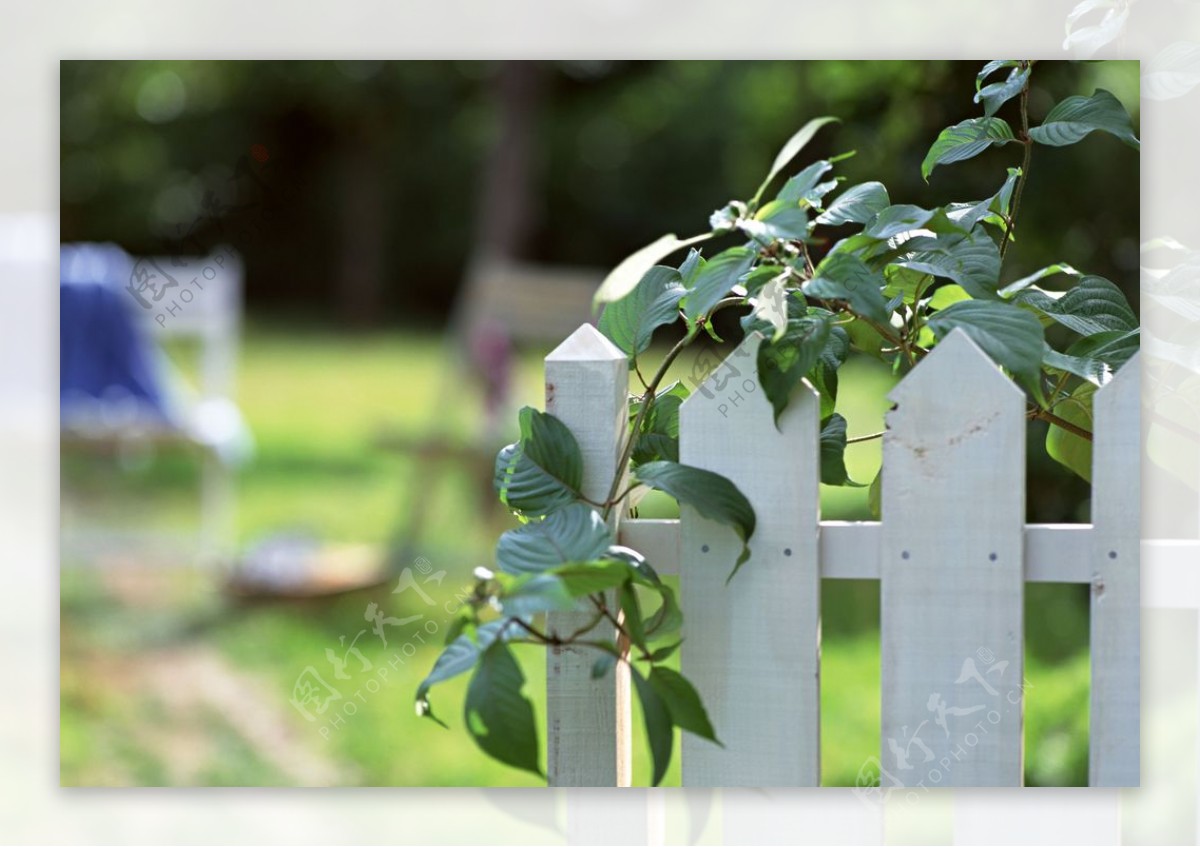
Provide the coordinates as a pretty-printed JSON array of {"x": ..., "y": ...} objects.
[
  {"x": 752, "y": 647},
  {"x": 1115, "y": 731},
  {"x": 952, "y": 582},
  {"x": 587, "y": 739}
]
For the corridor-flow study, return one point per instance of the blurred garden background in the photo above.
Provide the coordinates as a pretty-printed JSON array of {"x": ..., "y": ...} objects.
[{"x": 415, "y": 237}]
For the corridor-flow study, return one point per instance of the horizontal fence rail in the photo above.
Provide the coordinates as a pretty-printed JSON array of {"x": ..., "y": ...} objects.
[{"x": 952, "y": 555}]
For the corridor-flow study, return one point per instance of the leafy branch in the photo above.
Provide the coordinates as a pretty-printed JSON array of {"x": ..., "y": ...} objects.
[{"x": 891, "y": 289}]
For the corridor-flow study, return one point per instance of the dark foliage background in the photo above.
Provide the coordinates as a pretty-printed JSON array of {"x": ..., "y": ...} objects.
[{"x": 373, "y": 182}]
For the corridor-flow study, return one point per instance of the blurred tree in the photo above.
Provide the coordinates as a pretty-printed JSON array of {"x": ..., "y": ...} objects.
[{"x": 389, "y": 176}]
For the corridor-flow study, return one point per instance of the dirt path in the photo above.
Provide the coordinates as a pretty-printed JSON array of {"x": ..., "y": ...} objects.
[{"x": 195, "y": 684}]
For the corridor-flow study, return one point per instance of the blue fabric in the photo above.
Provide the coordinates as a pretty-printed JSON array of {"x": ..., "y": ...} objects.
[{"x": 104, "y": 355}]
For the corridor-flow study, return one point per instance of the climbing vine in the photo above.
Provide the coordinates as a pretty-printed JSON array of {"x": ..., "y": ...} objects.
[{"x": 896, "y": 280}]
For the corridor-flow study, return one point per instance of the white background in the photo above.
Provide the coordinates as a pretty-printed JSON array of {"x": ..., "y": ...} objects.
[{"x": 35, "y": 36}]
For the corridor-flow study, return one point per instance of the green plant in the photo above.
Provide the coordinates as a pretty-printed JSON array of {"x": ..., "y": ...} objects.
[{"x": 892, "y": 289}]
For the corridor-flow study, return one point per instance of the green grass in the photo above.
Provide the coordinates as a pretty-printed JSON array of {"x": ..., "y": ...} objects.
[{"x": 137, "y": 710}]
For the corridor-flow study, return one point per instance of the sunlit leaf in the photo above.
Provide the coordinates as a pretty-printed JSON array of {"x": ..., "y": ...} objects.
[
  {"x": 789, "y": 150},
  {"x": 1067, "y": 448},
  {"x": 624, "y": 277},
  {"x": 573, "y": 533},
  {"x": 542, "y": 471},
  {"x": 856, "y": 205}
]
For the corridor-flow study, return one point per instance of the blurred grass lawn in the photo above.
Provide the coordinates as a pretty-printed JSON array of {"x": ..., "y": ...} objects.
[{"x": 164, "y": 681}]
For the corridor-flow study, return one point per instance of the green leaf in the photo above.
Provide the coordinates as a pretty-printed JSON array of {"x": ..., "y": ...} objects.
[
  {"x": 824, "y": 375},
  {"x": 574, "y": 533},
  {"x": 1076, "y": 117},
  {"x": 630, "y": 322},
  {"x": 498, "y": 716},
  {"x": 1067, "y": 448},
  {"x": 710, "y": 494},
  {"x": 779, "y": 219},
  {"x": 833, "y": 452},
  {"x": 1114, "y": 348},
  {"x": 856, "y": 205},
  {"x": 659, "y": 729},
  {"x": 789, "y": 150},
  {"x": 715, "y": 279},
  {"x": 625, "y": 276},
  {"x": 965, "y": 140},
  {"x": 805, "y": 187},
  {"x": 1093, "y": 370},
  {"x": 971, "y": 260},
  {"x": 665, "y": 652},
  {"x": 682, "y": 702},
  {"x": 783, "y": 363},
  {"x": 542, "y": 471},
  {"x": 458, "y": 658},
  {"x": 639, "y": 569},
  {"x": 583, "y": 578},
  {"x": 631, "y": 611},
  {"x": 865, "y": 337},
  {"x": 902, "y": 218},
  {"x": 603, "y": 665},
  {"x": 1012, "y": 337},
  {"x": 667, "y": 618},
  {"x": 1092, "y": 306},
  {"x": 659, "y": 438},
  {"x": 997, "y": 94},
  {"x": 1026, "y": 281},
  {"x": 948, "y": 295},
  {"x": 904, "y": 284},
  {"x": 534, "y": 594},
  {"x": 993, "y": 210},
  {"x": 842, "y": 276}
]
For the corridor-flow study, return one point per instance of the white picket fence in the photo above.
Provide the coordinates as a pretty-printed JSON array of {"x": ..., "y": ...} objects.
[{"x": 953, "y": 553}]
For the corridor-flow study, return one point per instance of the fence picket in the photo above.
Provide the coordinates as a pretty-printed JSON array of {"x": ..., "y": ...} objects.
[
  {"x": 952, "y": 587},
  {"x": 952, "y": 553},
  {"x": 752, "y": 647},
  {"x": 1114, "y": 750},
  {"x": 587, "y": 739}
]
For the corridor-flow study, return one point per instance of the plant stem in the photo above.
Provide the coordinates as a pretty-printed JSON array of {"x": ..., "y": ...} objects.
[
  {"x": 1028, "y": 142},
  {"x": 647, "y": 397},
  {"x": 1050, "y": 417},
  {"x": 860, "y": 438}
]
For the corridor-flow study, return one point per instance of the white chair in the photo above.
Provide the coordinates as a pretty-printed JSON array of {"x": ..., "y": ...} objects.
[{"x": 170, "y": 298}]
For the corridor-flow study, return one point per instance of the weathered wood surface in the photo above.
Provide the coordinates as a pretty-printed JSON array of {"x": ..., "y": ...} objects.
[
  {"x": 1115, "y": 731},
  {"x": 952, "y": 585},
  {"x": 751, "y": 647},
  {"x": 587, "y": 742}
]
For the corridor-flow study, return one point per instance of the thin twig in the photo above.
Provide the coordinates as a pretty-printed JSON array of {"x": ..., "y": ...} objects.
[
  {"x": 1011, "y": 221},
  {"x": 1050, "y": 417}
]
